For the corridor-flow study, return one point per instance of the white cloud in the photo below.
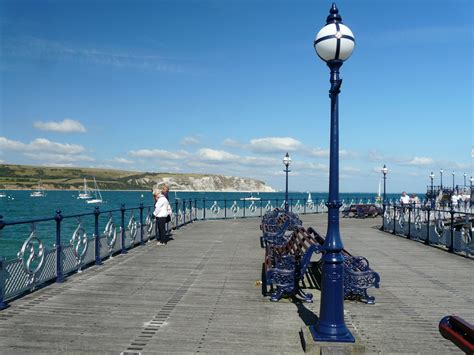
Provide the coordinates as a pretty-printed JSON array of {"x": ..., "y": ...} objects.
[
  {"x": 122, "y": 161},
  {"x": 213, "y": 155},
  {"x": 274, "y": 145},
  {"x": 232, "y": 143},
  {"x": 40, "y": 145},
  {"x": 66, "y": 126},
  {"x": 189, "y": 141},
  {"x": 159, "y": 154},
  {"x": 45, "y": 151},
  {"x": 423, "y": 161},
  {"x": 318, "y": 152}
]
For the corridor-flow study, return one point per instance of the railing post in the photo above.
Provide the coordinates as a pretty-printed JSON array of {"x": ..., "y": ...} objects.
[
  {"x": 98, "y": 260},
  {"x": 383, "y": 216},
  {"x": 122, "y": 227},
  {"x": 195, "y": 210},
  {"x": 409, "y": 220},
  {"x": 59, "y": 250},
  {"x": 394, "y": 215},
  {"x": 177, "y": 214},
  {"x": 427, "y": 240},
  {"x": 244, "y": 209},
  {"x": 304, "y": 206},
  {"x": 261, "y": 208},
  {"x": 3, "y": 305},
  {"x": 451, "y": 245},
  {"x": 184, "y": 212},
  {"x": 225, "y": 209},
  {"x": 203, "y": 209},
  {"x": 141, "y": 224},
  {"x": 191, "y": 211},
  {"x": 291, "y": 205},
  {"x": 276, "y": 204}
]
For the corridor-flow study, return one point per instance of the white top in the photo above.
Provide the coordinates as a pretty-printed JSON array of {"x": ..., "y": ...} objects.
[
  {"x": 162, "y": 207},
  {"x": 405, "y": 199}
]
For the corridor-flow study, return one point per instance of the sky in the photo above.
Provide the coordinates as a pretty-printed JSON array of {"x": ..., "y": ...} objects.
[{"x": 229, "y": 86}]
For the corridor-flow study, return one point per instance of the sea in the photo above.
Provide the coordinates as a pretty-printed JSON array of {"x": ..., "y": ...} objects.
[{"x": 18, "y": 206}]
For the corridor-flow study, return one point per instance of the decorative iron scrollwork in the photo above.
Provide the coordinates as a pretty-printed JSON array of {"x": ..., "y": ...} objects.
[
  {"x": 150, "y": 225},
  {"x": 268, "y": 206},
  {"x": 31, "y": 253},
  {"x": 79, "y": 243},
  {"x": 401, "y": 221},
  {"x": 234, "y": 208},
  {"x": 110, "y": 233},
  {"x": 215, "y": 209},
  {"x": 133, "y": 228},
  {"x": 253, "y": 207},
  {"x": 298, "y": 205},
  {"x": 388, "y": 216},
  {"x": 439, "y": 226},
  {"x": 418, "y": 223}
]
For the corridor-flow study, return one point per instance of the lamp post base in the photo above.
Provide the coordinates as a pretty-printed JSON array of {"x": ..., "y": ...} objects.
[{"x": 338, "y": 336}]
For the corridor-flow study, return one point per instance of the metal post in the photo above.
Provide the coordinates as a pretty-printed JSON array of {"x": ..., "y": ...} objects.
[
  {"x": 203, "y": 209},
  {"x": 98, "y": 260},
  {"x": 59, "y": 251},
  {"x": 331, "y": 326},
  {"x": 304, "y": 206},
  {"x": 261, "y": 208},
  {"x": 384, "y": 196},
  {"x": 3, "y": 278},
  {"x": 410, "y": 208},
  {"x": 286, "y": 187},
  {"x": 184, "y": 212},
  {"x": 177, "y": 214},
  {"x": 432, "y": 192},
  {"x": 427, "y": 240},
  {"x": 195, "y": 210},
  {"x": 122, "y": 228},
  {"x": 451, "y": 245},
  {"x": 471, "y": 202},
  {"x": 453, "y": 181},
  {"x": 441, "y": 179},
  {"x": 291, "y": 205},
  {"x": 141, "y": 224},
  {"x": 225, "y": 209}
]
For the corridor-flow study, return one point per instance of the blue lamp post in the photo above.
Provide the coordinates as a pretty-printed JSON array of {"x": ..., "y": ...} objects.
[
  {"x": 464, "y": 180},
  {"x": 384, "y": 172},
  {"x": 286, "y": 161},
  {"x": 453, "y": 179},
  {"x": 432, "y": 190},
  {"x": 441, "y": 180},
  {"x": 334, "y": 44},
  {"x": 471, "y": 202}
]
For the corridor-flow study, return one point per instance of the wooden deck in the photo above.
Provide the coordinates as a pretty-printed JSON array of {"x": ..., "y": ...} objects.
[{"x": 199, "y": 295}]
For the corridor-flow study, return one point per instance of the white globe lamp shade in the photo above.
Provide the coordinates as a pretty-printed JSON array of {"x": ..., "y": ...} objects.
[
  {"x": 287, "y": 160},
  {"x": 384, "y": 170},
  {"x": 334, "y": 41}
]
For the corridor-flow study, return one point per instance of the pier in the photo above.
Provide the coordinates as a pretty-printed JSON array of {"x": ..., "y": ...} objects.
[{"x": 201, "y": 294}]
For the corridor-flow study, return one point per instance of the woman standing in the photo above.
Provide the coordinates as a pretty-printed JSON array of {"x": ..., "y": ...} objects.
[{"x": 162, "y": 210}]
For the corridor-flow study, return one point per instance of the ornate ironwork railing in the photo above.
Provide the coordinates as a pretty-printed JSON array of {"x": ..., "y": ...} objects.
[
  {"x": 448, "y": 228},
  {"x": 57, "y": 246}
]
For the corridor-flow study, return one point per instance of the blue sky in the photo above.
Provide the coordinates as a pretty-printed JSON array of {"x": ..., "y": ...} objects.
[{"x": 228, "y": 86}]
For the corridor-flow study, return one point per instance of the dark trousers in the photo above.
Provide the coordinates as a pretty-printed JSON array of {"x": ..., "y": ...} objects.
[{"x": 161, "y": 229}]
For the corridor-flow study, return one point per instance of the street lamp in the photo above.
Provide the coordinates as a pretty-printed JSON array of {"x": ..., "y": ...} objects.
[
  {"x": 286, "y": 161},
  {"x": 464, "y": 179},
  {"x": 432, "y": 191},
  {"x": 384, "y": 172},
  {"x": 471, "y": 202},
  {"x": 441, "y": 180},
  {"x": 453, "y": 179},
  {"x": 334, "y": 44}
]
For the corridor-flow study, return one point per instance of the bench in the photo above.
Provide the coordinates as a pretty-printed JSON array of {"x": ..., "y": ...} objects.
[
  {"x": 286, "y": 264},
  {"x": 274, "y": 225},
  {"x": 361, "y": 211}
]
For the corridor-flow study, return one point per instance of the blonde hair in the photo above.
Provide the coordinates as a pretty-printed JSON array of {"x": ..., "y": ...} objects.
[{"x": 156, "y": 192}]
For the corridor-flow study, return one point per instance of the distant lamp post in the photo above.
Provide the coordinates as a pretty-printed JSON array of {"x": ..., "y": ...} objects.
[
  {"x": 453, "y": 179},
  {"x": 432, "y": 189},
  {"x": 384, "y": 172},
  {"x": 286, "y": 162},
  {"x": 464, "y": 175},
  {"x": 441, "y": 180},
  {"x": 471, "y": 202},
  {"x": 334, "y": 44}
]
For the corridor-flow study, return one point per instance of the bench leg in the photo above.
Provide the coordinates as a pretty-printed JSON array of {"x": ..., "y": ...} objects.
[{"x": 308, "y": 297}]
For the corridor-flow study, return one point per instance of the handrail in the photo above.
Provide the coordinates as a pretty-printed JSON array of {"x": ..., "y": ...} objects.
[{"x": 459, "y": 332}]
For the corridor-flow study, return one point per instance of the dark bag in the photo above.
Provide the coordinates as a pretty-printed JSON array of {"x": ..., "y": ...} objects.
[{"x": 168, "y": 218}]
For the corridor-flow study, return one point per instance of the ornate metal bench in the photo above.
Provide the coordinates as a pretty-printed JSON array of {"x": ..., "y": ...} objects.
[
  {"x": 275, "y": 224},
  {"x": 287, "y": 261},
  {"x": 361, "y": 211}
]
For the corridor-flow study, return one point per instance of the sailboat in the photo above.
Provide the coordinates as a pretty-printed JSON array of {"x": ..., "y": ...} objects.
[
  {"x": 97, "y": 196},
  {"x": 309, "y": 200},
  {"x": 2, "y": 194},
  {"x": 250, "y": 198},
  {"x": 39, "y": 191},
  {"x": 378, "y": 199},
  {"x": 86, "y": 194}
]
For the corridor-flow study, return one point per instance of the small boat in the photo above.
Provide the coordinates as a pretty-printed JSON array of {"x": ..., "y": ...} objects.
[
  {"x": 97, "y": 195},
  {"x": 309, "y": 199},
  {"x": 250, "y": 198},
  {"x": 86, "y": 194},
  {"x": 39, "y": 191},
  {"x": 2, "y": 194},
  {"x": 378, "y": 198}
]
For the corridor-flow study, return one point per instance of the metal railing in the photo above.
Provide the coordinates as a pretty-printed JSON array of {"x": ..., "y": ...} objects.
[
  {"x": 449, "y": 228},
  {"x": 64, "y": 244}
]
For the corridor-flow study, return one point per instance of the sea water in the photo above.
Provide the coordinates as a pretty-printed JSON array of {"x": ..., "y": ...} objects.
[{"x": 19, "y": 206}]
